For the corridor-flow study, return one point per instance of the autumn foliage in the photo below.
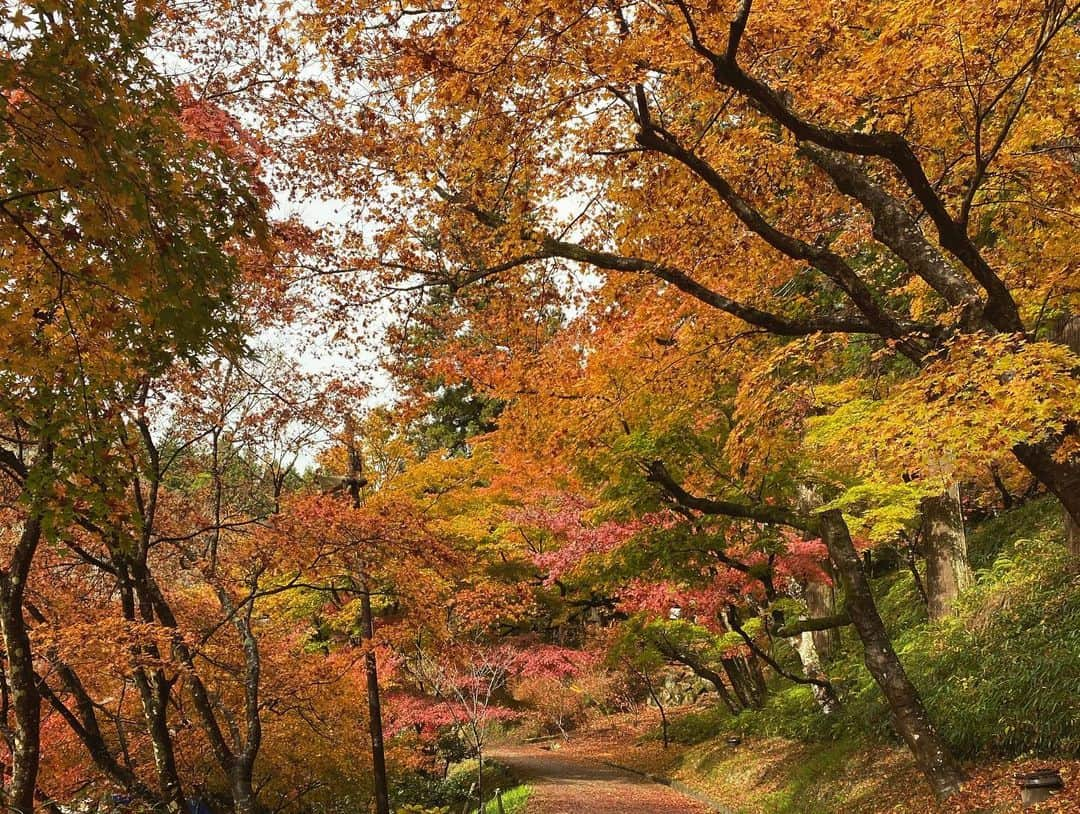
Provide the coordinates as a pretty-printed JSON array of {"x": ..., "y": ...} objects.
[{"x": 376, "y": 378}]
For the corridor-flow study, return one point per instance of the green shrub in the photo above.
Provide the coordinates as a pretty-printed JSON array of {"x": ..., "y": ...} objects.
[
  {"x": 459, "y": 782},
  {"x": 999, "y": 677},
  {"x": 697, "y": 726},
  {"x": 1036, "y": 520},
  {"x": 422, "y": 791},
  {"x": 514, "y": 801},
  {"x": 1002, "y": 675},
  {"x": 417, "y": 790},
  {"x": 789, "y": 712}
]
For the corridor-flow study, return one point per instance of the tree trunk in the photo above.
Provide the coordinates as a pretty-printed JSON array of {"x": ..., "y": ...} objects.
[
  {"x": 21, "y": 678},
  {"x": 243, "y": 788},
  {"x": 659, "y": 706},
  {"x": 806, "y": 647},
  {"x": 378, "y": 755},
  {"x": 945, "y": 548},
  {"x": 1067, "y": 332},
  {"x": 26, "y": 755},
  {"x": 1072, "y": 535},
  {"x": 738, "y": 682},
  {"x": 909, "y": 715},
  {"x": 821, "y": 603},
  {"x": 1062, "y": 478},
  {"x": 820, "y": 596},
  {"x": 811, "y": 667},
  {"x": 154, "y": 691},
  {"x": 755, "y": 679},
  {"x": 355, "y": 483},
  {"x": 479, "y": 769},
  {"x": 242, "y": 792},
  {"x": 153, "y": 685}
]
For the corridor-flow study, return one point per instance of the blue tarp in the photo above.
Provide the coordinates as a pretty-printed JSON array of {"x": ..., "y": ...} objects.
[{"x": 198, "y": 807}]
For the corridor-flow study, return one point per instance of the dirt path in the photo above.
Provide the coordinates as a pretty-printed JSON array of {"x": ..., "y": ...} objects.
[{"x": 566, "y": 785}]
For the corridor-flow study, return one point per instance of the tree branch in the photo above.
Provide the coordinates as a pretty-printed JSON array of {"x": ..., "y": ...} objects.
[
  {"x": 1001, "y": 308},
  {"x": 824, "y": 260},
  {"x": 772, "y": 515},
  {"x": 733, "y": 620},
  {"x": 894, "y": 226},
  {"x": 800, "y": 626},
  {"x": 737, "y": 29}
]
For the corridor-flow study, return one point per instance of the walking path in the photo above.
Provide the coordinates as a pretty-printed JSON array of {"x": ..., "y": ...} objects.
[{"x": 566, "y": 785}]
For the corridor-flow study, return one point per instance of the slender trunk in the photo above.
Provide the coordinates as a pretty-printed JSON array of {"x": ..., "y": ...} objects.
[
  {"x": 355, "y": 483},
  {"x": 1072, "y": 535},
  {"x": 909, "y": 715},
  {"x": 480, "y": 773},
  {"x": 242, "y": 790},
  {"x": 243, "y": 770},
  {"x": 820, "y": 596},
  {"x": 945, "y": 548},
  {"x": 25, "y": 698},
  {"x": 754, "y": 681},
  {"x": 659, "y": 706},
  {"x": 911, "y": 558},
  {"x": 25, "y": 702},
  {"x": 153, "y": 686},
  {"x": 717, "y": 682},
  {"x": 154, "y": 692},
  {"x": 1067, "y": 332},
  {"x": 811, "y": 666},
  {"x": 1007, "y": 499},
  {"x": 757, "y": 678},
  {"x": 378, "y": 755}
]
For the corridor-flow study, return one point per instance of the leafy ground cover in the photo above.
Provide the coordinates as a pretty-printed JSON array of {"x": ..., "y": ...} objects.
[
  {"x": 773, "y": 775},
  {"x": 514, "y": 801}
]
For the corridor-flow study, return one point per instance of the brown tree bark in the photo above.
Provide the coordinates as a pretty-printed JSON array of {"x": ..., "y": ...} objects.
[
  {"x": 21, "y": 679},
  {"x": 371, "y": 670},
  {"x": 909, "y": 715},
  {"x": 153, "y": 685},
  {"x": 1067, "y": 332},
  {"x": 944, "y": 544},
  {"x": 24, "y": 696},
  {"x": 355, "y": 483},
  {"x": 1072, "y": 535},
  {"x": 735, "y": 678}
]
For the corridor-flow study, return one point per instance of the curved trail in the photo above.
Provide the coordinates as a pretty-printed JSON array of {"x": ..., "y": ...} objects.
[{"x": 568, "y": 785}]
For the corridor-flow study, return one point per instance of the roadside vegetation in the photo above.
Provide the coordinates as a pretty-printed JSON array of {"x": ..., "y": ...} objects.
[{"x": 382, "y": 379}]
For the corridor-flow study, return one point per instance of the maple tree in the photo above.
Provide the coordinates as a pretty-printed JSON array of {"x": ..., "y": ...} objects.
[
  {"x": 790, "y": 171},
  {"x": 117, "y": 227},
  {"x": 789, "y": 193},
  {"x": 697, "y": 318}
]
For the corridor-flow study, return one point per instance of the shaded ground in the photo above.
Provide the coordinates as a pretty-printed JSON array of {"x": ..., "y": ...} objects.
[
  {"x": 776, "y": 775},
  {"x": 564, "y": 784}
]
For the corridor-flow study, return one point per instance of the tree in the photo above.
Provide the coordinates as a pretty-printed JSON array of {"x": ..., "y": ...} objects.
[
  {"x": 467, "y": 678},
  {"x": 788, "y": 193},
  {"x": 117, "y": 230}
]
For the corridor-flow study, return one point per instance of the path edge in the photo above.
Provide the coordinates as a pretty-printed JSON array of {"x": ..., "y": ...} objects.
[{"x": 674, "y": 785}]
